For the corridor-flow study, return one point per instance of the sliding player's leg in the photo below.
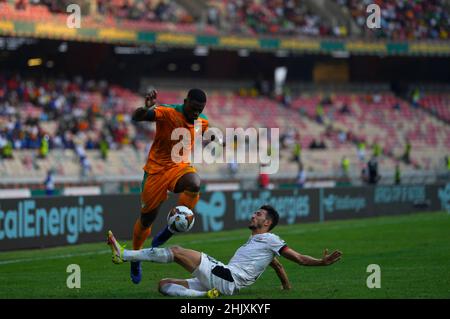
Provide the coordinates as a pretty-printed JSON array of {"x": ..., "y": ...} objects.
[
  {"x": 196, "y": 263},
  {"x": 186, "y": 182},
  {"x": 187, "y": 258}
]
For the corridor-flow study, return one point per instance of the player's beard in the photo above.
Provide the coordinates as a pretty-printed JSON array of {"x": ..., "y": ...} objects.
[{"x": 254, "y": 226}]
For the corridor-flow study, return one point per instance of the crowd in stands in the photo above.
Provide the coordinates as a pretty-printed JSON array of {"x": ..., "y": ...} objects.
[
  {"x": 145, "y": 10},
  {"x": 281, "y": 17},
  {"x": 149, "y": 15},
  {"x": 391, "y": 127},
  {"x": 403, "y": 19},
  {"x": 62, "y": 114},
  {"x": 80, "y": 115},
  {"x": 400, "y": 19}
]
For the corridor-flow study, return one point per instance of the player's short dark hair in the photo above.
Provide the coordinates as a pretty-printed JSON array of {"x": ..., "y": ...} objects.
[
  {"x": 272, "y": 214},
  {"x": 197, "y": 95}
]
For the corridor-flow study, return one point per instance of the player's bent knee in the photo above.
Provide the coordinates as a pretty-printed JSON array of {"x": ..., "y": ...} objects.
[{"x": 194, "y": 183}]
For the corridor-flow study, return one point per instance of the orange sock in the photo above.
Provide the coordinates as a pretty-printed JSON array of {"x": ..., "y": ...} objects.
[
  {"x": 140, "y": 234},
  {"x": 188, "y": 199}
]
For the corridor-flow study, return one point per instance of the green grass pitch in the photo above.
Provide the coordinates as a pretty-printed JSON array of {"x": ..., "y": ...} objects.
[{"x": 413, "y": 252}]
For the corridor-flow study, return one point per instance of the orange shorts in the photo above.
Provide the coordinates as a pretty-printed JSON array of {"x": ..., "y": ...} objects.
[{"x": 154, "y": 187}]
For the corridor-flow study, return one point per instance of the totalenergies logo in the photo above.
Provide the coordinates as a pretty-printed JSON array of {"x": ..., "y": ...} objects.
[{"x": 28, "y": 220}]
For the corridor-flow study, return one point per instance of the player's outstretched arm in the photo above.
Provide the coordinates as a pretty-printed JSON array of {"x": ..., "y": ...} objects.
[
  {"x": 305, "y": 260},
  {"x": 281, "y": 273},
  {"x": 146, "y": 113}
]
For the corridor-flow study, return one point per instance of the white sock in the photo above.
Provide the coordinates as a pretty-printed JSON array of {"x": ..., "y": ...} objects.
[
  {"x": 175, "y": 290},
  {"x": 157, "y": 255}
]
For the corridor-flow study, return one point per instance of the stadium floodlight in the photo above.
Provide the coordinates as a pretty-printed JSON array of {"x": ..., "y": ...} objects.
[
  {"x": 243, "y": 53},
  {"x": 12, "y": 44},
  {"x": 201, "y": 51},
  {"x": 340, "y": 54},
  {"x": 125, "y": 50},
  {"x": 280, "y": 78},
  {"x": 281, "y": 53},
  {"x": 143, "y": 49},
  {"x": 62, "y": 47},
  {"x": 129, "y": 50},
  {"x": 34, "y": 62}
]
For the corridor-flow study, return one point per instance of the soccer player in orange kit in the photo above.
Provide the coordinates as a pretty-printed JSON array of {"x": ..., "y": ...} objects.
[{"x": 162, "y": 174}]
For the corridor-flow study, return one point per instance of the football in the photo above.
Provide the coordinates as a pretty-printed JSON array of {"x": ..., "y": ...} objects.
[{"x": 180, "y": 219}]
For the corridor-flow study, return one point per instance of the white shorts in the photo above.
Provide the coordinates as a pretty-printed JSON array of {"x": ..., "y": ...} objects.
[{"x": 212, "y": 274}]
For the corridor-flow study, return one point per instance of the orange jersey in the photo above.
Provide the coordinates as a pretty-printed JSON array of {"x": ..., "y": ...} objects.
[{"x": 168, "y": 117}]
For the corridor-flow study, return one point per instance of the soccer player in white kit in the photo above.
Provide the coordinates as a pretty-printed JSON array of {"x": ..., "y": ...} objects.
[{"x": 212, "y": 277}]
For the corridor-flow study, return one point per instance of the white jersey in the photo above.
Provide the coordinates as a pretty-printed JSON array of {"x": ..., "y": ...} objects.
[{"x": 252, "y": 258}]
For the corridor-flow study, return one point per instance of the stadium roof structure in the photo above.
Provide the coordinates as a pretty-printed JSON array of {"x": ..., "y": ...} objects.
[{"x": 121, "y": 34}]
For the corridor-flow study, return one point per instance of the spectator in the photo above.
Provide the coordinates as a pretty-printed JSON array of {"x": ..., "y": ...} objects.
[
  {"x": 397, "y": 177},
  {"x": 286, "y": 98},
  {"x": 415, "y": 97},
  {"x": 342, "y": 136},
  {"x": 345, "y": 165},
  {"x": 301, "y": 176},
  {"x": 90, "y": 144},
  {"x": 297, "y": 152},
  {"x": 376, "y": 98},
  {"x": 313, "y": 145},
  {"x": 322, "y": 145},
  {"x": 213, "y": 16},
  {"x": 85, "y": 166},
  {"x": 3, "y": 142},
  {"x": 376, "y": 149},
  {"x": 329, "y": 132},
  {"x": 326, "y": 101},
  {"x": 361, "y": 151},
  {"x": 372, "y": 168},
  {"x": 288, "y": 138},
  {"x": 7, "y": 150},
  {"x": 104, "y": 148},
  {"x": 345, "y": 110},
  {"x": 365, "y": 174},
  {"x": 319, "y": 114},
  {"x": 49, "y": 183},
  {"x": 44, "y": 147},
  {"x": 407, "y": 153}
]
